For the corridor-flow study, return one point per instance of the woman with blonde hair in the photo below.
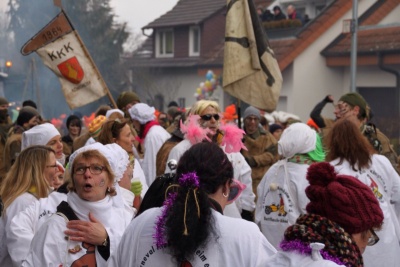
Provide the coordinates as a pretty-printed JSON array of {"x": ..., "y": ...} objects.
[
  {"x": 203, "y": 123},
  {"x": 26, "y": 182}
]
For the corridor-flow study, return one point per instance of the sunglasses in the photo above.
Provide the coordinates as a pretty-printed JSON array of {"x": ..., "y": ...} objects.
[
  {"x": 208, "y": 117},
  {"x": 236, "y": 189},
  {"x": 373, "y": 239}
]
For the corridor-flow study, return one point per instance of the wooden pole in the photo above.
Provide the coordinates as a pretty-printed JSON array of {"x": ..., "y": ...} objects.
[{"x": 239, "y": 115}]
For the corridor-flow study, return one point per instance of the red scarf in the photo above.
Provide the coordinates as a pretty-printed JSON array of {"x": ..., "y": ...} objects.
[{"x": 146, "y": 129}]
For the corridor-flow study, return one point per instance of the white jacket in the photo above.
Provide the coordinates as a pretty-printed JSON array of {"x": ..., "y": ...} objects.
[
  {"x": 153, "y": 141},
  {"x": 239, "y": 243},
  {"x": 384, "y": 181},
  {"x": 18, "y": 205},
  {"x": 49, "y": 246},
  {"x": 241, "y": 172},
  {"x": 281, "y": 199}
]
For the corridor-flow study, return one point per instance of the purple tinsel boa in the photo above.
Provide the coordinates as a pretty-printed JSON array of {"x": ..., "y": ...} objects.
[
  {"x": 159, "y": 235},
  {"x": 189, "y": 180},
  {"x": 305, "y": 249}
]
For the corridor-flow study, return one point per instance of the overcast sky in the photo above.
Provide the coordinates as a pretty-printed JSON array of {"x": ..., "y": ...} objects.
[{"x": 139, "y": 13}]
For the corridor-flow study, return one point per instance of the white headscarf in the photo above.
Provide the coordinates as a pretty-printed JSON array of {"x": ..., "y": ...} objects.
[
  {"x": 142, "y": 113},
  {"x": 298, "y": 138},
  {"x": 39, "y": 135},
  {"x": 119, "y": 160}
]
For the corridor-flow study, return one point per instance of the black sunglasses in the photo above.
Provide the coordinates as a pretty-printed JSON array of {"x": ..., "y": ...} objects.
[{"x": 208, "y": 117}]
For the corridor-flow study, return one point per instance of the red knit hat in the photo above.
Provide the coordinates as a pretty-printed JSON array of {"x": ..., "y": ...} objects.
[{"x": 342, "y": 199}]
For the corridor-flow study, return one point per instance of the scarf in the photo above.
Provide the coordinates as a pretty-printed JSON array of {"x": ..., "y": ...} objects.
[
  {"x": 310, "y": 228},
  {"x": 101, "y": 209},
  {"x": 146, "y": 129},
  {"x": 301, "y": 159}
]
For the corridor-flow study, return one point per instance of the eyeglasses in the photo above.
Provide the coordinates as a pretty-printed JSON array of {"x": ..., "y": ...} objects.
[
  {"x": 236, "y": 189},
  {"x": 373, "y": 239},
  {"x": 94, "y": 169},
  {"x": 208, "y": 117},
  {"x": 52, "y": 166}
]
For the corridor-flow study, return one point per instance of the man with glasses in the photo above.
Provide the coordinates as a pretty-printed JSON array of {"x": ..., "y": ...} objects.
[{"x": 262, "y": 147}]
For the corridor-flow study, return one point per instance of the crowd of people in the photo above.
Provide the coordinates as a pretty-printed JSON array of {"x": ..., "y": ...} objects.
[{"x": 188, "y": 187}]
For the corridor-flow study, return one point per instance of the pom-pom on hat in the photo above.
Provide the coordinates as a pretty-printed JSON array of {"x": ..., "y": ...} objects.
[
  {"x": 342, "y": 199},
  {"x": 38, "y": 135},
  {"x": 142, "y": 112},
  {"x": 95, "y": 126}
]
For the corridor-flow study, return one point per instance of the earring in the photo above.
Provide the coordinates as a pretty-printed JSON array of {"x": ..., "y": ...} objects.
[{"x": 225, "y": 195}]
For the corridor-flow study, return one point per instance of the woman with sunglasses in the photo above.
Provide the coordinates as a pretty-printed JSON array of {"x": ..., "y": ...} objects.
[
  {"x": 190, "y": 230},
  {"x": 90, "y": 199},
  {"x": 28, "y": 180},
  {"x": 204, "y": 118},
  {"x": 352, "y": 154},
  {"x": 342, "y": 217}
]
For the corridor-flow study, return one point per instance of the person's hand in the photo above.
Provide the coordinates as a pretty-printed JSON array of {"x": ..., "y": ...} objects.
[
  {"x": 136, "y": 188},
  {"x": 329, "y": 98},
  {"x": 92, "y": 232}
]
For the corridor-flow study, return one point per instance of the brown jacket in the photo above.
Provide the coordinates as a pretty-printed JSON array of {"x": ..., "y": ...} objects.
[{"x": 261, "y": 154}]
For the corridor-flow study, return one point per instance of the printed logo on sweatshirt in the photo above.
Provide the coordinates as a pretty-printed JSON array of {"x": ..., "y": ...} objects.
[{"x": 277, "y": 204}]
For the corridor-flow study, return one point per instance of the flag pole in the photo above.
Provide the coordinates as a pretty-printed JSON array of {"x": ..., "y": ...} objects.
[{"x": 239, "y": 115}]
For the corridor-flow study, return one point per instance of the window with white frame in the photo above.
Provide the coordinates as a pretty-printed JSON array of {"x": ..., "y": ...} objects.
[
  {"x": 194, "y": 41},
  {"x": 165, "y": 43}
]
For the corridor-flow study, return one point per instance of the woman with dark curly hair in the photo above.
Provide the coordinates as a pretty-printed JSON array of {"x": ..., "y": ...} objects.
[
  {"x": 190, "y": 229},
  {"x": 342, "y": 217}
]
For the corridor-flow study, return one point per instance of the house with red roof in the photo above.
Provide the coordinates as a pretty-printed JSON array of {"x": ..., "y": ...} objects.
[{"x": 314, "y": 59}]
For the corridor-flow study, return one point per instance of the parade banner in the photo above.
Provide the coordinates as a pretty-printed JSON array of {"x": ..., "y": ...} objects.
[
  {"x": 62, "y": 50},
  {"x": 251, "y": 72}
]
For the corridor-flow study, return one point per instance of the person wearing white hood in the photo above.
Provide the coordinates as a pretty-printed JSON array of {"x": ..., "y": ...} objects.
[
  {"x": 45, "y": 134},
  {"x": 90, "y": 199},
  {"x": 27, "y": 222},
  {"x": 281, "y": 192},
  {"x": 151, "y": 136}
]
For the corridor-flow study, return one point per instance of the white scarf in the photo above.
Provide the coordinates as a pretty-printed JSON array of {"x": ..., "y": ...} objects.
[{"x": 101, "y": 209}]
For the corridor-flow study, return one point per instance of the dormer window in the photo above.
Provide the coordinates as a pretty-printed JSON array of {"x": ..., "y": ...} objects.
[
  {"x": 165, "y": 43},
  {"x": 194, "y": 41}
]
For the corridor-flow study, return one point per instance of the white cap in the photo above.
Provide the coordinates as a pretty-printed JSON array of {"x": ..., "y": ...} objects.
[
  {"x": 111, "y": 111},
  {"x": 142, "y": 113},
  {"x": 38, "y": 135}
]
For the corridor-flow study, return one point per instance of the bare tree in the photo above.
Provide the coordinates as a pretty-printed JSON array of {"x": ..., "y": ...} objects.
[{"x": 150, "y": 84}]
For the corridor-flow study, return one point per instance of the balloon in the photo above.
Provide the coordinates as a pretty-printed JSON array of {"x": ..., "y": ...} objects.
[
  {"x": 209, "y": 75},
  {"x": 201, "y": 85},
  {"x": 198, "y": 90},
  {"x": 212, "y": 81},
  {"x": 208, "y": 85}
]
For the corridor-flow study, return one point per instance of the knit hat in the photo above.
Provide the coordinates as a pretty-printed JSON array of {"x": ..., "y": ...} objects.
[
  {"x": 251, "y": 111},
  {"x": 342, "y": 199},
  {"x": 126, "y": 98},
  {"x": 26, "y": 114},
  {"x": 142, "y": 113},
  {"x": 111, "y": 111},
  {"x": 355, "y": 99},
  {"x": 95, "y": 126},
  {"x": 274, "y": 127},
  {"x": 3, "y": 101},
  {"x": 38, "y": 135}
]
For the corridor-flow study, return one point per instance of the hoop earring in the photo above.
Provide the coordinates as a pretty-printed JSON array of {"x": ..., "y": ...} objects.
[{"x": 225, "y": 195}]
